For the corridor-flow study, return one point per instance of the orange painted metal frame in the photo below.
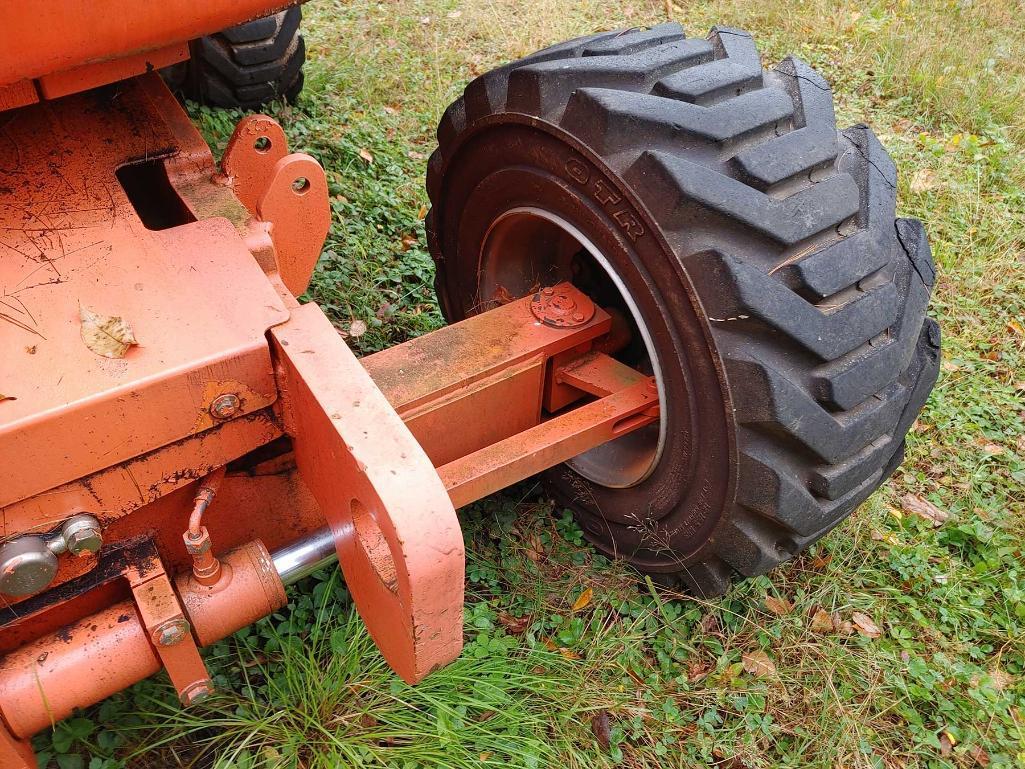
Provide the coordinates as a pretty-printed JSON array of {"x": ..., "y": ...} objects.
[
  {"x": 43, "y": 37},
  {"x": 205, "y": 262}
]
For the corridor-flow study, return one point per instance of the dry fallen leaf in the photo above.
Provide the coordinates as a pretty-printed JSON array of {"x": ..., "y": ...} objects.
[
  {"x": 1000, "y": 679},
  {"x": 778, "y": 606},
  {"x": 758, "y": 663},
  {"x": 515, "y": 625},
  {"x": 696, "y": 670},
  {"x": 601, "y": 730},
  {"x": 534, "y": 549},
  {"x": 357, "y": 329},
  {"x": 709, "y": 624},
  {"x": 864, "y": 625},
  {"x": 947, "y": 743},
  {"x": 820, "y": 562},
  {"x": 924, "y": 179},
  {"x": 106, "y": 335},
  {"x": 979, "y": 756},
  {"x": 408, "y": 241},
  {"x": 822, "y": 622},
  {"x": 583, "y": 600},
  {"x": 422, "y": 213},
  {"x": 454, "y": 14},
  {"x": 365, "y": 154},
  {"x": 924, "y": 509},
  {"x": 1016, "y": 327}
]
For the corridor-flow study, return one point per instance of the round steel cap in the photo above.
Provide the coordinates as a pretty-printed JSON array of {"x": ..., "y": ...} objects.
[
  {"x": 562, "y": 307},
  {"x": 26, "y": 566}
]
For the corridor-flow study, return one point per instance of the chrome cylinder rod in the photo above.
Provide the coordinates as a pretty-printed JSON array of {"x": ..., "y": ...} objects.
[{"x": 300, "y": 559}]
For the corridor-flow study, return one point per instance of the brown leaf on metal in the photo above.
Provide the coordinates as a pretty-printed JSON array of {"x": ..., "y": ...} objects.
[
  {"x": 601, "y": 729},
  {"x": 924, "y": 509},
  {"x": 758, "y": 663},
  {"x": 778, "y": 606},
  {"x": 822, "y": 622},
  {"x": 106, "y": 335},
  {"x": 865, "y": 626},
  {"x": 583, "y": 599}
]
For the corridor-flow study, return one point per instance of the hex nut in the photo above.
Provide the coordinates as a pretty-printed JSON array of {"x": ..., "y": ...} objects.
[
  {"x": 85, "y": 542},
  {"x": 82, "y": 535},
  {"x": 197, "y": 692},
  {"x": 225, "y": 406},
  {"x": 198, "y": 545},
  {"x": 171, "y": 633}
]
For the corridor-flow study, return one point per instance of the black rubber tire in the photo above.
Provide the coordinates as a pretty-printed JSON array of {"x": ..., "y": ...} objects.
[
  {"x": 247, "y": 66},
  {"x": 786, "y": 304}
]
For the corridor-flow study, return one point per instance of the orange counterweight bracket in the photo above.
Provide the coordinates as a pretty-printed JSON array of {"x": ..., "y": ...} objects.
[
  {"x": 390, "y": 445},
  {"x": 396, "y": 532}
]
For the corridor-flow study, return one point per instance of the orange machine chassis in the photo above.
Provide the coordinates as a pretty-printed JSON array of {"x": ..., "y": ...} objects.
[{"x": 111, "y": 201}]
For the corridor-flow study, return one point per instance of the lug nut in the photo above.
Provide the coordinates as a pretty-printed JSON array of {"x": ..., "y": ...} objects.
[
  {"x": 82, "y": 535},
  {"x": 171, "y": 633},
  {"x": 225, "y": 406}
]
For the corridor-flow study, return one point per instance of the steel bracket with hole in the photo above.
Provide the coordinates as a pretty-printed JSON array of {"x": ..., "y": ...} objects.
[
  {"x": 395, "y": 529},
  {"x": 286, "y": 191}
]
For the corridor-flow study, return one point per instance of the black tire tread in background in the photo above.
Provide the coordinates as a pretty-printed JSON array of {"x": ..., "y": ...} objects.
[{"x": 246, "y": 66}]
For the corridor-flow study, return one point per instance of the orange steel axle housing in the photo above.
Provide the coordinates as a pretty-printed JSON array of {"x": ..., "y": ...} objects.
[{"x": 233, "y": 441}]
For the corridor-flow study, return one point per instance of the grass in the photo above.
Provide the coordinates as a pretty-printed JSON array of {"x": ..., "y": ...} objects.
[{"x": 567, "y": 662}]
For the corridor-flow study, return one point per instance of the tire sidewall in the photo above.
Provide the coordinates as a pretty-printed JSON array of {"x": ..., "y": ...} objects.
[{"x": 511, "y": 161}]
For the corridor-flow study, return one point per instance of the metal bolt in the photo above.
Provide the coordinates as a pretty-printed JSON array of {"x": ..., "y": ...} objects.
[
  {"x": 171, "y": 633},
  {"x": 225, "y": 406},
  {"x": 82, "y": 535},
  {"x": 197, "y": 692}
]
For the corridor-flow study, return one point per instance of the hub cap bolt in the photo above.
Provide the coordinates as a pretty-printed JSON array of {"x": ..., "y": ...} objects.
[
  {"x": 562, "y": 306},
  {"x": 225, "y": 406}
]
